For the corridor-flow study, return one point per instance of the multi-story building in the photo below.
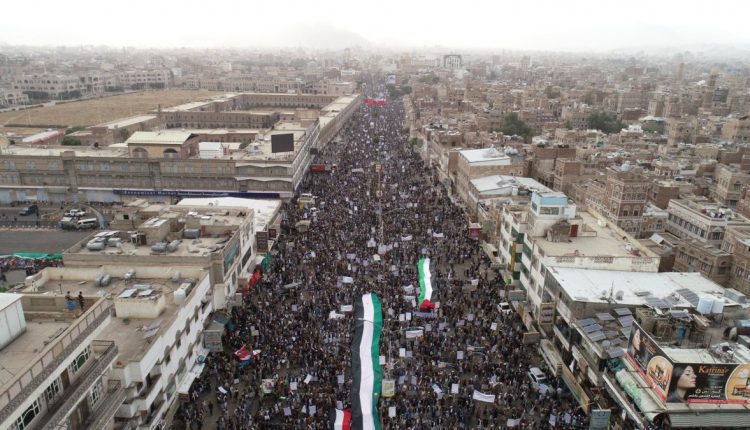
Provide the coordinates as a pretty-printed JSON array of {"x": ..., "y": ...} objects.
[
  {"x": 55, "y": 365},
  {"x": 654, "y": 221},
  {"x": 662, "y": 192},
  {"x": 167, "y": 163},
  {"x": 621, "y": 197},
  {"x": 729, "y": 183},
  {"x": 153, "y": 78},
  {"x": 737, "y": 129},
  {"x": 692, "y": 255},
  {"x": 53, "y": 85},
  {"x": 226, "y": 246},
  {"x": 10, "y": 98},
  {"x": 493, "y": 187},
  {"x": 737, "y": 243},
  {"x": 160, "y": 313},
  {"x": 551, "y": 233},
  {"x": 596, "y": 313},
  {"x": 476, "y": 163},
  {"x": 699, "y": 218},
  {"x": 452, "y": 61},
  {"x": 544, "y": 162}
]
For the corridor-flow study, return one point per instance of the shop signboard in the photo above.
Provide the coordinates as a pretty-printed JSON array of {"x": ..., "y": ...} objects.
[{"x": 687, "y": 382}]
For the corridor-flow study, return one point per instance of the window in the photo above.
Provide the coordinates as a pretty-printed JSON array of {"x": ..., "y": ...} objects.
[
  {"x": 79, "y": 361},
  {"x": 140, "y": 153},
  {"x": 549, "y": 211},
  {"x": 170, "y": 153},
  {"x": 28, "y": 415},
  {"x": 96, "y": 392},
  {"x": 53, "y": 390}
]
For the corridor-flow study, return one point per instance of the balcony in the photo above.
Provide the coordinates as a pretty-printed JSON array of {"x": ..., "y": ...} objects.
[
  {"x": 108, "y": 405},
  {"x": 88, "y": 376},
  {"x": 50, "y": 358}
]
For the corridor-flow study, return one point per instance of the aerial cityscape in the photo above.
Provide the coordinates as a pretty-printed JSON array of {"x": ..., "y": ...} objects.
[{"x": 360, "y": 216}]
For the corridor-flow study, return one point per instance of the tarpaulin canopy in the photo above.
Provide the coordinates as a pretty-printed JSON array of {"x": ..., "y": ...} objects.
[{"x": 34, "y": 256}]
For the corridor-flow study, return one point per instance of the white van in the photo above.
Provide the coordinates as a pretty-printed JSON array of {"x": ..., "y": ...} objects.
[
  {"x": 87, "y": 223},
  {"x": 537, "y": 377}
]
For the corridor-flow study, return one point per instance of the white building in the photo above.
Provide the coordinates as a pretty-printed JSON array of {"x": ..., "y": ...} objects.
[
  {"x": 551, "y": 233},
  {"x": 159, "y": 315},
  {"x": 54, "y": 368}
]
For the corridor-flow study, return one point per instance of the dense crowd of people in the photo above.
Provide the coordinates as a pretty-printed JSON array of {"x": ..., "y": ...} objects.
[{"x": 367, "y": 231}]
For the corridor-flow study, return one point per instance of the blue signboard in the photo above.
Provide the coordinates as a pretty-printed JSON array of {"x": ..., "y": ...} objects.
[{"x": 181, "y": 193}]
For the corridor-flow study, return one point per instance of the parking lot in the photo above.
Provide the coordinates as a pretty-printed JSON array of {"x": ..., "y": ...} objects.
[{"x": 42, "y": 241}]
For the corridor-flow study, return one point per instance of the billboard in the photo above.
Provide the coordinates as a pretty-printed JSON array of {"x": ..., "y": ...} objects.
[
  {"x": 282, "y": 143},
  {"x": 692, "y": 383}
]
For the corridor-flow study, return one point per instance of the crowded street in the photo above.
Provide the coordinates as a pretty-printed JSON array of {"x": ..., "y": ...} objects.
[{"x": 361, "y": 228}]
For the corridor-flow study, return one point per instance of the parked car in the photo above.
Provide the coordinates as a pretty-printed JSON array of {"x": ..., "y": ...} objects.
[
  {"x": 28, "y": 210},
  {"x": 75, "y": 213},
  {"x": 67, "y": 223},
  {"x": 537, "y": 376},
  {"x": 504, "y": 308},
  {"x": 87, "y": 223}
]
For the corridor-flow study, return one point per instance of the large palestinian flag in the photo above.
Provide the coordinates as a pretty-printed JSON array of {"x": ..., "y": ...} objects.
[
  {"x": 425, "y": 285},
  {"x": 341, "y": 420},
  {"x": 366, "y": 372}
]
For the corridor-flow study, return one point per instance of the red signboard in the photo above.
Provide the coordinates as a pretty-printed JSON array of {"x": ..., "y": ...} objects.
[
  {"x": 374, "y": 102},
  {"x": 318, "y": 168}
]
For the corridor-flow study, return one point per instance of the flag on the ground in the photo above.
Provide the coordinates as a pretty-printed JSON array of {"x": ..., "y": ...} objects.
[
  {"x": 341, "y": 420},
  {"x": 425, "y": 285},
  {"x": 366, "y": 372}
]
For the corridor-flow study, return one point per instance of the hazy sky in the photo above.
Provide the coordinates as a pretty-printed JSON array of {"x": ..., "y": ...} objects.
[{"x": 519, "y": 24}]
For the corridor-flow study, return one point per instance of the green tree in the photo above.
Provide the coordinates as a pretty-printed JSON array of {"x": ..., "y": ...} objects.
[
  {"x": 512, "y": 125},
  {"x": 551, "y": 93},
  {"x": 604, "y": 122},
  {"x": 124, "y": 134},
  {"x": 69, "y": 141},
  {"x": 74, "y": 129}
]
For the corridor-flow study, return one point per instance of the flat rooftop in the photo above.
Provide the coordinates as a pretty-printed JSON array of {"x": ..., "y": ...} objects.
[
  {"x": 223, "y": 131},
  {"x": 638, "y": 288},
  {"x": 264, "y": 210},
  {"x": 606, "y": 242},
  {"x": 125, "y": 122},
  {"x": 485, "y": 156},
  {"x": 161, "y": 137},
  {"x": 56, "y": 151},
  {"x": 127, "y": 333},
  {"x": 201, "y": 247},
  {"x": 22, "y": 351},
  {"x": 339, "y": 104},
  {"x": 499, "y": 182}
]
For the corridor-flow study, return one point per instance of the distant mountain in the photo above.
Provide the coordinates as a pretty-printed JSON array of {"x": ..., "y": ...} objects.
[{"x": 322, "y": 36}]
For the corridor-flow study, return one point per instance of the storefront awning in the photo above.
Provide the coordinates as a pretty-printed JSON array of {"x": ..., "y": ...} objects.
[
  {"x": 622, "y": 401},
  {"x": 708, "y": 419},
  {"x": 640, "y": 393}
]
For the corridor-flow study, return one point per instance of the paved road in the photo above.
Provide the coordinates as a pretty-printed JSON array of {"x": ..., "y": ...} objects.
[{"x": 43, "y": 241}]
